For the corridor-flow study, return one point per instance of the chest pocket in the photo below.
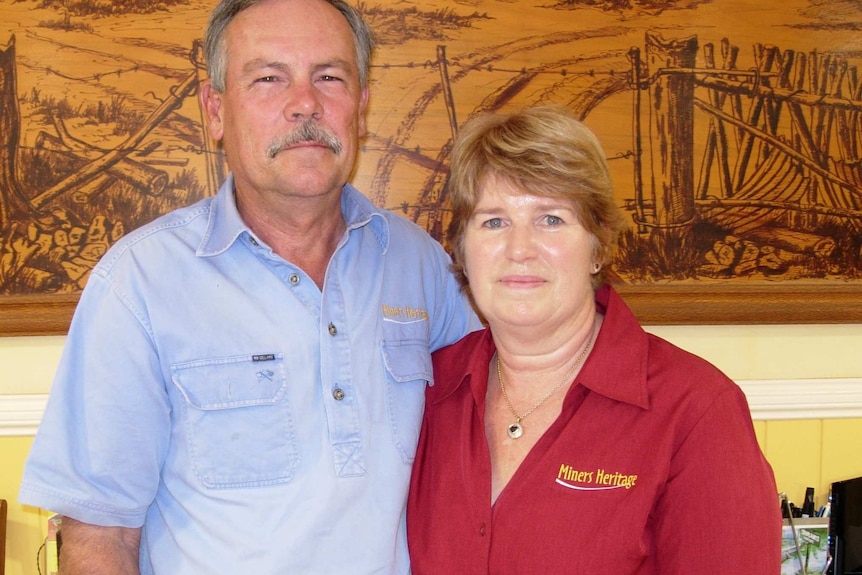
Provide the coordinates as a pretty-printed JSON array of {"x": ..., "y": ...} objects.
[
  {"x": 238, "y": 423},
  {"x": 408, "y": 370}
]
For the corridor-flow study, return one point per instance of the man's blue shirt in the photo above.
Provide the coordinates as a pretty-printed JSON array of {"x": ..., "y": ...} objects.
[{"x": 210, "y": 392}]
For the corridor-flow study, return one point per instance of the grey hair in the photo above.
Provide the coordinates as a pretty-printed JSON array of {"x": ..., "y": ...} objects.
[{"x": 226, "y": 10}]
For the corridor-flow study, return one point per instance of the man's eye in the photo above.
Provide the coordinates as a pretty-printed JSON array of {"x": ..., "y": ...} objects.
[
  {"x": 266, "y": 79},
  {"x": 329, "y": 78}
]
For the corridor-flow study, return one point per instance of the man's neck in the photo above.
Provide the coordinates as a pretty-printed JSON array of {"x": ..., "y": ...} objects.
[{"x": 303, "y": 231}]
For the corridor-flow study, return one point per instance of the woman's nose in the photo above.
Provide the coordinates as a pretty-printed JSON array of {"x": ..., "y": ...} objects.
[{"x": 519, "y": 242}]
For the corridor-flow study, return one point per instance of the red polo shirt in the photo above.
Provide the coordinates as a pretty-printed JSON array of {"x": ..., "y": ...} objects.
[{"x": 652, "y": 468}]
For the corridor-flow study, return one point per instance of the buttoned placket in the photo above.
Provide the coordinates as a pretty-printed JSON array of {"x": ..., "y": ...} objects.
[{"x": 340, "y": 402}]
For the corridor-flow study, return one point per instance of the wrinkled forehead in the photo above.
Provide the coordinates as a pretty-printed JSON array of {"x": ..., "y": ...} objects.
[{"x": 288, "y": 29}]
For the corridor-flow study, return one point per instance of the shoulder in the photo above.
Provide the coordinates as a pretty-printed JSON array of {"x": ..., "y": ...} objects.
[
  {"x": 178, "y": 226},
  {"x": 689, "y": 390},
  {"x": 671, "y": 363},
  {"x": 629, "y": 353},
  {"x": 461, "y": 353},
  {"x": 455, "y": 362},
  {"x": 404, "y": 230},
  {"x": 396, "y": 233}
]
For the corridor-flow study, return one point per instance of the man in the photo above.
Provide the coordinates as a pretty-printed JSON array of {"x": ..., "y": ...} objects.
[{"x": 243, "y": 381}]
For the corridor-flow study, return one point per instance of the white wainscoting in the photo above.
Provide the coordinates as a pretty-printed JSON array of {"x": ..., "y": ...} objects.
[
  {"x": 21, "y": 414},
  {"x": 804, "y": 398},
  {"x": 769, "y": 400}
]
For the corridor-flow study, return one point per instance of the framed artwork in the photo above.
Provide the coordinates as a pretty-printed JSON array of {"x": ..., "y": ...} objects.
[{"x": 733, "y": 130}]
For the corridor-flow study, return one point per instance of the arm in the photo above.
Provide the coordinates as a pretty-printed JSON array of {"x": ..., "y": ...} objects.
[
  {"x": 454, "y": 316},
  {"x": 719, "y": 511},
  {"x": 95, "y": 550}
]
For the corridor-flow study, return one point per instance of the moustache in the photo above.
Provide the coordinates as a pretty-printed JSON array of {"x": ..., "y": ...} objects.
[{"x": 308, "y": 131}]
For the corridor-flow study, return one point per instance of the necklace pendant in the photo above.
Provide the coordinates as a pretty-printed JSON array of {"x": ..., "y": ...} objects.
[{"x": 515, "y": 430}]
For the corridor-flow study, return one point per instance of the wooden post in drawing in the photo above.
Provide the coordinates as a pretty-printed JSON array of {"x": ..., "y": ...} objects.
[
  {"x": 110, "y": 159},
  {"x": 634, "y": 56},
  {"x": 435, "y": 217},
  {"x": 13, "y": 203},
  {"x": 447, "y": 89},
  {"x": 672, "y": 98}
]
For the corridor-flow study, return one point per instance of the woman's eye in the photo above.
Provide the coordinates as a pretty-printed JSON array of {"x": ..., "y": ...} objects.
[
  {"x": 553, "y": 220},
  {"x": 494, "y": 223}
]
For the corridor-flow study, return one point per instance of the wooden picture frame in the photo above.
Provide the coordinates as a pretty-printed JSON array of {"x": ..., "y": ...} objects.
[
  {"x": 733, "y": 139},
  {"x": 653, "y": 305}
]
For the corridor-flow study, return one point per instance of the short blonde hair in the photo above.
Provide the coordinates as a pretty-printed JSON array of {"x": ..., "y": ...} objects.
[{"x": 542, "y": 149}]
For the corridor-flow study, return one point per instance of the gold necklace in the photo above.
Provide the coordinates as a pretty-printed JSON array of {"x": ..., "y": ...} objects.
[{"x": 516, "y": 430}]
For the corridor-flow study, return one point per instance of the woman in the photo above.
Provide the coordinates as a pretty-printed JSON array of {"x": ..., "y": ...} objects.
[{"x": 564, "y": 438}]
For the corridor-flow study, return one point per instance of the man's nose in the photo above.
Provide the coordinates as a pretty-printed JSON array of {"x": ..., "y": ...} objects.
[{"x": 303, "y": 102}]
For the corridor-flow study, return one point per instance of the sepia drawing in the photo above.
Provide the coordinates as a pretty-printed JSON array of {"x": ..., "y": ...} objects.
[{"x": 732, "y": 127}]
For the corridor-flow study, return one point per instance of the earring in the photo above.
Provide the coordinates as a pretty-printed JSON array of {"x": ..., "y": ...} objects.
[{"x": 596, "y": 267}]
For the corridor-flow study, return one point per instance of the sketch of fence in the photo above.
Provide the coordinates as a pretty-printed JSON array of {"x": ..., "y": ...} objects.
[
  {"x": 779, "y": 170},
  {"x": 737, "y": 171}
]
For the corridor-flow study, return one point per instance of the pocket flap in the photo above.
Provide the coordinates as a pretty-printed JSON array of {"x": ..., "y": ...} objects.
[
  {"x": 222, "y": 383},
  {"x": 407, "y": 360}
]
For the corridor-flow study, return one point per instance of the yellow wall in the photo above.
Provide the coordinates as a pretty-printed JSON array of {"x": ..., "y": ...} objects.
[
  {"x": 24, "y": 528},
  {"x": 812, "y": 453},
  {"x": 802, "y": 452}
]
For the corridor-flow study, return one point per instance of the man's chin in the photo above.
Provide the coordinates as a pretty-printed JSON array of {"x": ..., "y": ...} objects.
[{"x": 310, "y": 183}]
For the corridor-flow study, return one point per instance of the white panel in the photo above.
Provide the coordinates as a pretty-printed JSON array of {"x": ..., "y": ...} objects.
[
  {"x": 768, "y": 399},
  {"x": 21, "y": 414},
  {"x": 804, "y": 398}
]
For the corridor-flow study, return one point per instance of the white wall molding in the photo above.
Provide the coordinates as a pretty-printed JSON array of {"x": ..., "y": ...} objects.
[
  {"x": 769, "y": 400},
  {"x": 804, "y": 398},
  {"x": 21, "y": 414}
]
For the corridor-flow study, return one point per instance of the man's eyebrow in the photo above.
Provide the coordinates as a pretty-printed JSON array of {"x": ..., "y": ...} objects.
[
  {"x": 259, "y": 63},
  {"x": 335, "y": 63}
]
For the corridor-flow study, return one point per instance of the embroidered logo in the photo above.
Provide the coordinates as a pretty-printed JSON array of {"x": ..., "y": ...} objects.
[
  {"x": 265, "y": 374},
  {"x": 597, "y": 480},
  {"x": 404, "y": 314}
]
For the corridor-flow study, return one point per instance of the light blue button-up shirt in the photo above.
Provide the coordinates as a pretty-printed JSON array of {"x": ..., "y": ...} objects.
[{"x": 249, "y": 421}]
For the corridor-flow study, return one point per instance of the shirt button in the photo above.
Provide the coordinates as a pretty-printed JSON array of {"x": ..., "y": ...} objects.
[
  {"x": 482, "y": 530},
  {"x": 338, "y": 394},
  {"x": 293, "y": 279},
  {"x": 332, "y": 329},
  {"x": 253, "y": 241}
]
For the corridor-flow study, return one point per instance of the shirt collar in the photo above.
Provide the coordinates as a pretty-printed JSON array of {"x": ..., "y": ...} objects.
[
  {"x": 616, "y": 368},
  {"x": 358, "y": 211},
  {"x": 225, "y": 224},
  {"x": 618, "y": 365}
]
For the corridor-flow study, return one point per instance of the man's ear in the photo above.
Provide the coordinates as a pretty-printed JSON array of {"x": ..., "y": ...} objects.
[
  {"x": 363, "y": 105},
  {"x": 211, "y": 103}
]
